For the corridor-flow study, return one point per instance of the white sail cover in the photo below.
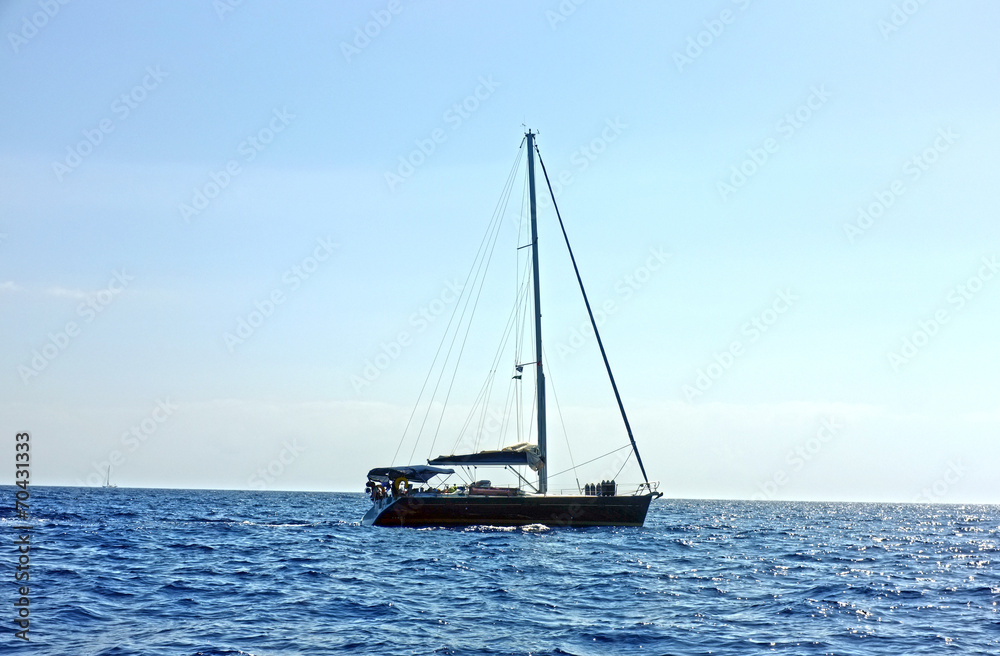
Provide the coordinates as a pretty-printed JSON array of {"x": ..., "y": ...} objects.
[{"x": 531, "y": 451}]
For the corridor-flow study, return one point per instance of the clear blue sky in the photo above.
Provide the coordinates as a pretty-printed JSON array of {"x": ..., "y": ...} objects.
[{"x": 125, "y": 282}]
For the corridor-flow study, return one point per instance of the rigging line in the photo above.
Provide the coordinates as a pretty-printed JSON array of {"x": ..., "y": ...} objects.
[
  {"x": 508, "y": 403},
  {"x": 520, "y": 293},
  {"x": 481, "y": 424},
  {"x": 623, "y": 466},
  {"x": 604, "y": 355},
  {"x": 484, "y": 413},
  {"x": 562, "y": 422},
  {"x": 508, "y": 332},
  {"x": 511, "y": 176},
  {"x": 532, "y": 415},
  {"x": 468, "y": 420},
  {"x": 490, "y": 378},
  {"x": 486, "y": 392},
  {"x": 528, "y": 326},
  {"x": 511, "y": 413},
  {"x": 519, "y": 345},
  {"x": 484, "y": 266},
  {"x": 505, "y": 336},
  {"x": 624, "y": 446},
  {"x": 478, "y": 280},
  {"x": 461, "y": 349},
  {"x": 523, "y": 305},
  {"x": 525, "y": 327},
  {"x": 484, "y": 416},
  {"x": 523, "y": 479}
]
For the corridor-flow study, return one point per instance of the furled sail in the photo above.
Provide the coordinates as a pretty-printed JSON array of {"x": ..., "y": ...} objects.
[{"x": 523, "y": 453}]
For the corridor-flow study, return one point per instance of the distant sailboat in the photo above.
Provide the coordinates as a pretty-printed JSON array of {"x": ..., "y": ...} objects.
[
  {"x": 395, "y": 503},
  {"x": 107, "y": 479}
]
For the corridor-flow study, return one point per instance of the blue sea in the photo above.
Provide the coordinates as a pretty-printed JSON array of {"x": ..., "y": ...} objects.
[{"x": 118, "y": 572}]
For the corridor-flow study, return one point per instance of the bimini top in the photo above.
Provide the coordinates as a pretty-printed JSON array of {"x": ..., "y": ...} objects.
[
  {"x": 418, "y": 473},
  {"x": 517, "y": 454}
]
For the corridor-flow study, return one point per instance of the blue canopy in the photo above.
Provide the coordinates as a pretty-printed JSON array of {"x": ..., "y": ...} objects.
[{"x": 418, "y": 473}]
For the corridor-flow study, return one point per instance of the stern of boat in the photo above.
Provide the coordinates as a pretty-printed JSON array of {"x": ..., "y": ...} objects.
[{"x": 378, "y": 506}]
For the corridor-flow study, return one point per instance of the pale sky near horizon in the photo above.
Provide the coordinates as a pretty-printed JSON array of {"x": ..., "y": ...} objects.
[{"x": 790, "y": 208}]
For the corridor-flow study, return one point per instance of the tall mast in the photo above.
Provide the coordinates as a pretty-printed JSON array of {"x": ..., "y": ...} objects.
[{"x": 543, "y": 479}]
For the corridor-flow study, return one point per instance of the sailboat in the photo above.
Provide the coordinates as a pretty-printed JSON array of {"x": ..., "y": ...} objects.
[
  {"x": 107, "y": 479},
  {"x": 396, "y": 502}
]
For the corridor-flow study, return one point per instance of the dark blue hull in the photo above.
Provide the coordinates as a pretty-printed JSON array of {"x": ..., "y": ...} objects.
[{"x": 471, "y": 510}]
